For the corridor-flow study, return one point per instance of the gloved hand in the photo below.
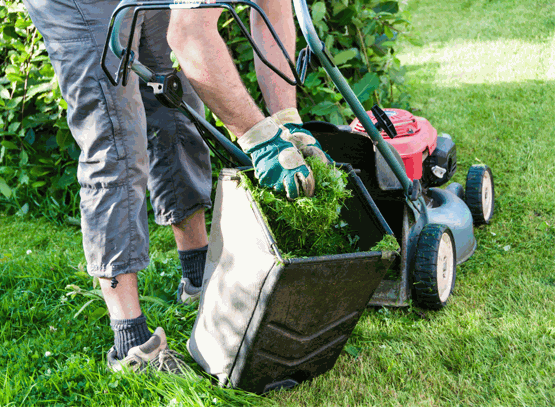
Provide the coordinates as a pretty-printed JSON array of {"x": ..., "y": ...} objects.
[
  {"x": 277, "y": 162},
  {"x": 302, "y": 139}
]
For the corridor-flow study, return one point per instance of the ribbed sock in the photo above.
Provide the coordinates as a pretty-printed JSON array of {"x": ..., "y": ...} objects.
[
  {"x": 192, "y": 264},
  {"x": 129, "y": 333}
]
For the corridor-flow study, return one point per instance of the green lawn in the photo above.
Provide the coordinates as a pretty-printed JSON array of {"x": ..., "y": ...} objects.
[{"x": 486, "y": 76}]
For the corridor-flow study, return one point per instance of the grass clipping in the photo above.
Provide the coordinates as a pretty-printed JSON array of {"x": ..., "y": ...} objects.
[{"x": 308, "y": 227}]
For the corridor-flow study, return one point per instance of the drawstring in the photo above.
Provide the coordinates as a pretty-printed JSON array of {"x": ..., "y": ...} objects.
[{"x": 114, "y": 282}]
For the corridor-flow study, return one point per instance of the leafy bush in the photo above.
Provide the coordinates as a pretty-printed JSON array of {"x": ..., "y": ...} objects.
[
  {"x": 360, "y": 35},
  {"x": 37, "y": 153},
  {"x": 38, "y": 157}
]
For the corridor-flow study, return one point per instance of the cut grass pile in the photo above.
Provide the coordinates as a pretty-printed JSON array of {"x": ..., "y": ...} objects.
[{"x": 307, "y": 227}]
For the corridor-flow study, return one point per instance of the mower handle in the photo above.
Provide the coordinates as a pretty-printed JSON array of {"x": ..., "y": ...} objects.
[{"x": 126, "y": 56}]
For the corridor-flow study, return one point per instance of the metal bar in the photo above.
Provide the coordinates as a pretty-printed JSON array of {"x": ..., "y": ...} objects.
[
  {"x": 257, "y": 50},
  {"x": 148, "y": 75},
  {"x": 316, "y": 45},
  {"x": 232, "y": 149},
  {"x": 122, "y": 10}
]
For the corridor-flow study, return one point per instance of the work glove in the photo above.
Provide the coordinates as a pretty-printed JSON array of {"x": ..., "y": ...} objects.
[
  {"x": 277, "y": 162},
  {"x": 290, "y": 120}
]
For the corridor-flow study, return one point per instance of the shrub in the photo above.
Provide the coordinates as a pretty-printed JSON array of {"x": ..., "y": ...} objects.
[
  {"x": 38, "y": 157},
  {"x": 37, "y": 153}
]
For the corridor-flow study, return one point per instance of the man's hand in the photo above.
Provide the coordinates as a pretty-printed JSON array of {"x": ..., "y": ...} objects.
[
  {"x": 277, "y": 162},
  {"x": 289, "y": 119}
]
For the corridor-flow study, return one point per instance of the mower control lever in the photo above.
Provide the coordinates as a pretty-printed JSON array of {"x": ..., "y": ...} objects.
[
  {"x": 168, "y": 89},
  {"x": 383, "y": 122},
  {"x": 415, "y": 190},
  {"x": 125, "y": 64}
]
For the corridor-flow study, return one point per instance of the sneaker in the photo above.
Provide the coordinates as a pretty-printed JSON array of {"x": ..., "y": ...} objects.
[
  {"x": 153, "y": 353},
  {"x": 187, "y": 293}
]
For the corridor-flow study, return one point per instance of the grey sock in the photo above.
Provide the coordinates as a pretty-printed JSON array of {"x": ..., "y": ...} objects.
[
  {"x": 192, "y": 264},
  {"x": 129, "y": 333}
]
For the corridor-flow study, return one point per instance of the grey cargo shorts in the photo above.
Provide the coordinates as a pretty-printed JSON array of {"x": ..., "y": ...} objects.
[{"x": 128, "y": 140}]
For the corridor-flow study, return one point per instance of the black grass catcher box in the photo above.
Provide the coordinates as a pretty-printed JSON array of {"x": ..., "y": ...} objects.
[{"x": 265, "y": 322}]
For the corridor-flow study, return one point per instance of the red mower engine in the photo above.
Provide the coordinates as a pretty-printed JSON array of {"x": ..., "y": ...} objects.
[{"x": 427, "y": 157}]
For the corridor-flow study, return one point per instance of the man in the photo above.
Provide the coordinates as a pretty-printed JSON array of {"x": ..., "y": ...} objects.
[{"x": 129, "y": 142}]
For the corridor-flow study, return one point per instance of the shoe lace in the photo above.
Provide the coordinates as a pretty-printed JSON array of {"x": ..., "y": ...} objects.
[{"x": 171, "y": 361}]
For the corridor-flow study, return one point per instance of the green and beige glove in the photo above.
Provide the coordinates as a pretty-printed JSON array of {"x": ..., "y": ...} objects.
[
  {"x": 289, "y": 119},
  {"x": 277, "y": 162}
]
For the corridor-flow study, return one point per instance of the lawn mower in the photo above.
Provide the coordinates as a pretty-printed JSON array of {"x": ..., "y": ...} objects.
[{"x": 266, "y": 322}]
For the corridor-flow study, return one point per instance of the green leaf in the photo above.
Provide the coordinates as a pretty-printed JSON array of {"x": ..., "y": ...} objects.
[
  {"x": 387, "y": 31},
  {"x": 9, "y": 33},
  {"x": 89, "y": 302},
  {"x": 47, "y": 71},
  {"x": 154, "y": 300},
  {"x": 175, "y": 62},
  {"x": 363, "y": 89},
  {"x": 318, "y": 12},
  {"x": 40, "y": 88},
  {"x": 391, "y": 7},
  {"x": 338, "y": 7},
  {"x": 67, "y": 179},
  {"x": 21, "y": 23},
  {"x": 312, "y": 80},
  {"x": 97, "y": 314},
  {"x": 23, "y": 158},
  {"x": 352, "y": 350},
  {"x": 345, "y": 56},
  {"x": 61, "y": 123},
  {"x": 38, "y": 184},
  {"x": 38, "y": 172},
  {"x": 14, "y": 103},
  {"x": 74, "y": 151},
  {"x": 335, "y": 118},
  {"x": 344, "y": 16},
  {"x": 30, "y": 136},
  {"x": 4, "y": 188},
  {"x": 23, "y": 210},
  {"x": 14, "y": 77},
  {"x": 24, "y": 179},
  {"x": 5, "y": 93},
  {"x": 417, "y": 42},
  {"x": 63, "y": 138},
  {"x": 323, "y": 108},
  {"x": 73, "y": 221},
  {"x": 9, "y": 145},
  {"x": 12, "y": 128}
]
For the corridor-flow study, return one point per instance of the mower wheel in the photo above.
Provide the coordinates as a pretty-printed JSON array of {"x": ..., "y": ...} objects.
[
  {"x": 435, "y": 267},
  {"x": 480, "y": 194}
]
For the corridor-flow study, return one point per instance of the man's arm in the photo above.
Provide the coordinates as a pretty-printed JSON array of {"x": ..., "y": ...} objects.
[
  {"x": 205, "y": 60},
  {"x": 278, "y": 94}
]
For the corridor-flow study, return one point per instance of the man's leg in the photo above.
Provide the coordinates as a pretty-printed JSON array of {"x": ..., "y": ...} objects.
[
  {"x": 277, "y": 93},
  {"x": 190, "y": 233},
  {"x": 203, "y": 55},
  {"x": 192, "y": 248},
  {"x": 109, "y": 125},
  {"x": 180, "y": 178}
]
